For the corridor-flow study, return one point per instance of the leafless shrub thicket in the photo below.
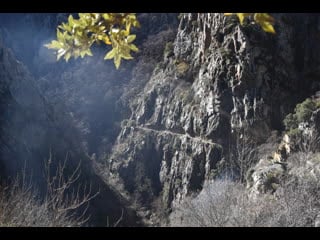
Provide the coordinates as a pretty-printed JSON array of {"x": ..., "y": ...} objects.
[
  {"x": 297, "y": 203},
  {"x": 228, "y": 204},
  {"x": 212, "y": 207},
  {"x": 309, "y": 143},
  {"x": 305, "y": 149},
  {"x": 20, "y": 206}
]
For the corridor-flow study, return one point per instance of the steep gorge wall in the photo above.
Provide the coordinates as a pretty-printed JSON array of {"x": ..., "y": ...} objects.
[
  {"x": 219, "y": 79},
  {"x": 215, "y": 80},
  {"x": 72, "y": 108},
  {"x": 31, "y": 129}
]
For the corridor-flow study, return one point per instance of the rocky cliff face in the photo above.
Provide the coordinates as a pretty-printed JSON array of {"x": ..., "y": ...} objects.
[
  {"x": 217, "y": 81},
  {"x": 187, "y": 101}
]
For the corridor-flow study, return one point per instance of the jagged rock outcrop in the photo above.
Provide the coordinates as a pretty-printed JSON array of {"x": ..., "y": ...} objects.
[
  {"x": 219, "y": 79},
  {"x": 296, "y": 156},
  {"x": 266, "y": 175}
]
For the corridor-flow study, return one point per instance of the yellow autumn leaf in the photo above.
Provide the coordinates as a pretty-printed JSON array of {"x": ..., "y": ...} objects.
[
  {"x": 265, "y": 21},
  {"x": 76, "y": 36},
  {"x": 110, "y": 54},
  {"x": 242, "y": 16},
  {"x": 67, "y": 56},
  {"x": 88, "y": 52},
  {"x": 263, "y": 17},
  {"x": 133, "y": 47},
  {"x": 106, "y": 40},
  {"x": 131, "y": 38},
  {"x": 267, "y": 27},
  {"x": 126, "y": 55},
  {"x": 107, "y": 16},
  {"x": 82, "y": 54},
  {"x": 54, "y": 45},
  {"x": 117, "y": 61}
]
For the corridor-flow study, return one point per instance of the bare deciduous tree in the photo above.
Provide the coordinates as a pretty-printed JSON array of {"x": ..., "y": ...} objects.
[
  {"x": 63, "y": 198},
  {"x": 242, "y": 156},
  {"x": 19, "y": 205}
]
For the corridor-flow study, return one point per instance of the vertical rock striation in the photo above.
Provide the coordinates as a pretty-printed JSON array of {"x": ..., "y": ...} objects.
[{"x": 220, "y": 79}]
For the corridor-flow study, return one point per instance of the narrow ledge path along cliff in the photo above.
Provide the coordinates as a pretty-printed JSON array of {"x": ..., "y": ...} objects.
[
  {"x": 182, "y": 135},
  {"x": 156, "y": 131}
]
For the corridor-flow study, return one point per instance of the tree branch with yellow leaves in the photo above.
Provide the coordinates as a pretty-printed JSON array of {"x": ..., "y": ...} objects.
[
  {"x": 75, "y": 37},
  {"x": 265, "y": 20}
]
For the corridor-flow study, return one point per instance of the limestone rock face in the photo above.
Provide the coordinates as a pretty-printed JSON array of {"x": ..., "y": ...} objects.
[
  {"x": 215, "y": 81},
  {"x": 219, "y": 79}
]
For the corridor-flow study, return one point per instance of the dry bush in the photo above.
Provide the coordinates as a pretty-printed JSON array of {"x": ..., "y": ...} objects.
[
  {"x": 20, "y": 204},
  {"x": 224, "y": 203},
  {"x": 212, "y": 207},
  {"x": 309, "y": 142},
  {"x": 297, "y": 204},
  {"x": 228, "y": 204}
]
